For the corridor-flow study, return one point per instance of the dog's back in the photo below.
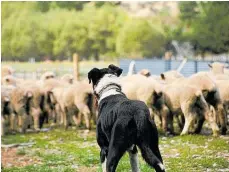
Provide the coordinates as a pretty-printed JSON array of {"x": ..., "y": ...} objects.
[{"x": 127, "y": 123}]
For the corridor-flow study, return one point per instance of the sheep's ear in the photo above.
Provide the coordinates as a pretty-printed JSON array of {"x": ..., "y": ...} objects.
[
  {"x": 210, "y": 65},
  {"x": 29, "y": 94},
  {"x": 94, "y": 75},
  {"x": 162, "y": 76},
  {"x": 116, "y": 69}
]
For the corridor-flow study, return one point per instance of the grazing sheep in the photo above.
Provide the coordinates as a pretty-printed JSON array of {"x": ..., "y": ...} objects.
[
  {"x": 6, "y": 108},
  {"x": 217, "y": 67},
  {"x": 171, "y": 76},
  {"x": 35, "y": 106},
  {"x": 51, "y": 107},
  {"x": 20, "y": 100},
  {"x": 148, "y": 90},
  {"x": 145, "y": 72},
  {"x": 47, "y": 75},
  {"x": 6, "y": 70},
  {"x": 68, "y": 78},
  {"x": 189, "y": 101},
  {"x": 209, "y": 89},
  {"x": 223, "y": 87},
  {"x": 9, "y": 80},
  {"x": 226, "y": 71},
  {"x": 74, "y": 101}
]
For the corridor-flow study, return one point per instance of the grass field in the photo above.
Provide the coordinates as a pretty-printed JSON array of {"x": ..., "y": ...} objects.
[
  {"x": 77, "y": 150},
  {"x": 84, "y": 66}
]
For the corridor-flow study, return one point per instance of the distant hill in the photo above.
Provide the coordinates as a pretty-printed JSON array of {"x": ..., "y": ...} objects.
[{"x": 147, "y": 9}]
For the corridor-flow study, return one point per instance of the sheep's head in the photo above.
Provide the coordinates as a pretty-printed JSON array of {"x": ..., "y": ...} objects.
[{"x": 217, "y": 67}]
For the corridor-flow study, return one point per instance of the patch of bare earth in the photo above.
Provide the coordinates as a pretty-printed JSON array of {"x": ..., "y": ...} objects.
[
  {"x": 87, "y": 169},
  {"x": 10, "y": 158}
]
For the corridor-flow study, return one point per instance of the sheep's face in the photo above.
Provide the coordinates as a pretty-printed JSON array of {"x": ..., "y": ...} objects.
[{"x": 95, "y": 75}]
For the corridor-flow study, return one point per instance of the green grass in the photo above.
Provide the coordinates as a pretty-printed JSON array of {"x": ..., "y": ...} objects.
[
  {"x": 84, "y": 66},
  {"x": 74, "y": 150}
]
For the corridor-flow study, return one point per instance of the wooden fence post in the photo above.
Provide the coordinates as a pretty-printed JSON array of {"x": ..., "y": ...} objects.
[{"x": 76, "y": 66}]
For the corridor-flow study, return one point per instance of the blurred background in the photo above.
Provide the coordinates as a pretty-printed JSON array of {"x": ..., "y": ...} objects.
[{"x": 45, "y": 35}]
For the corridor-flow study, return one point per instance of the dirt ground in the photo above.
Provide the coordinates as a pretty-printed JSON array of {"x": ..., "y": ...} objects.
[{"x": 10, "y": 158}]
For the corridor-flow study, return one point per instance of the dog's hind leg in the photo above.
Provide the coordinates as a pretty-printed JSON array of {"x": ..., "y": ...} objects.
[
  {"x": 103, "y": 143},
  {"x": 133, "y": 155},
  {"x": 119, "y": 143}
]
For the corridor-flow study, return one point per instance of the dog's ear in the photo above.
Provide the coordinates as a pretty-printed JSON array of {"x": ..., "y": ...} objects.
[
  {"x": 94, "y": 75},
  {"x": 116, "y": 69}
]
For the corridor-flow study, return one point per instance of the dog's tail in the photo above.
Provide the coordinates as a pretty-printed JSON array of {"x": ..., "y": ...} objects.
[{"x": 148, "y": 144}]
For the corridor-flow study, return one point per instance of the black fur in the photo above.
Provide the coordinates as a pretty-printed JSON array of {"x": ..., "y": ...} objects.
[{"x": 123, "y": 123}]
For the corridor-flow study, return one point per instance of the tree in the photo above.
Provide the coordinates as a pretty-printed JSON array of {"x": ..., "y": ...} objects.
[
  {"x": 206, "y": 25},
  {"x": 139, "y": 39}
]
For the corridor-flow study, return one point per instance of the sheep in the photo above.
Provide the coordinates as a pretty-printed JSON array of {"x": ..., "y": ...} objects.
[
  {"x": 6, "y": 107},
  {"x": 145, "y": 72},
  {"x": 6, "y": 70},
  {"x": 47, "y": 75},
  {"x": 138, "y": 87},
  {"x": 171, "y": 76},
  {"x": 51, "y": 108},
  {"x": 9, "y": 80},
  {"x": 74, "y": 101},
  {"x": 226, "y": 71},
  {"x": 209, "y": 89},
  {"x": 20, "y": 100},
  {"x": 217, "y": 67},
  {"x": 36, "y": 104},
  {"x": 68, "y": 78},
  {"x": 223, "y": 87},
  {"x": 190, "y": 103}
]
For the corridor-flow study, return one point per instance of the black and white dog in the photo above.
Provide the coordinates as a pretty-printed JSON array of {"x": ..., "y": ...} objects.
[{"x": 122, "y": 124}]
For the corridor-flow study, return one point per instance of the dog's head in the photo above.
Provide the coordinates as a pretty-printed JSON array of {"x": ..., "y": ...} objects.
[{"x": 95, "y": 75}]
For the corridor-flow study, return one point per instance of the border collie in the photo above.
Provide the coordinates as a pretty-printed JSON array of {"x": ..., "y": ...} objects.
[{"x": 123, "y": 124}]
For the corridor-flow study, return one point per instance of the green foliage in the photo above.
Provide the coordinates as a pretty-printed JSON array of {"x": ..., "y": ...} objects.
[
  {"x": 206, "y": 25},
  {"x": 103, "y": 30},
  {"x": 144, "y": 42}
]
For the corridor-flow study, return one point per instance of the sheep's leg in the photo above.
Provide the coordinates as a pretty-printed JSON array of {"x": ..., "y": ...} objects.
[
  {"x": 222, "y": 118},
  {"x": 3, "y": 127},
  {"x": 170, "y": 123},
  {"x": 13, "y": 122},
  {"x": 22, "y": 122},
  {"x": 86, "y": 113},
  {"x": 164, "y": 113},
  {"x": 211, "y": 119},
  {"x": 36, "y": 119},
  {"x": 77, "y": 118},
  {"x": 199, "y": 125},
  {"x": 179, "y": 121},
  {"x": 189, "y": 119},
  {"x": 65, "y": 118}
]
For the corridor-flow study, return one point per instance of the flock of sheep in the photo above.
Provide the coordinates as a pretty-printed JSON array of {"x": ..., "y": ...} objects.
[{"x": 201, "y": 97}]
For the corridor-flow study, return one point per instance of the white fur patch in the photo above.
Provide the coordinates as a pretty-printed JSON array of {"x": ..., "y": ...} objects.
[
  {"x": 107, "y": 80},
  {"x": 134, "y": 162},
  {"x": 161, "y": 166},
  {"x": 104, "y": 165}
]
